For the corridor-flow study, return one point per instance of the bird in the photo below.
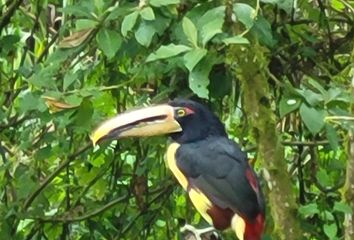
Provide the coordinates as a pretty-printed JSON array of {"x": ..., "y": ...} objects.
[{"x": 209, "y": 166}]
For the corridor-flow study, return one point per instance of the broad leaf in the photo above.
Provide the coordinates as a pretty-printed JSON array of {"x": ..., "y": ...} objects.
[
  {"x": 263, "y": 31},
  {"x": 167, "y": 51},
  {"x": 192, "y": 58},
  {"x": 332, "y": 136},
  {"x": 145, "y": 33},
  {"x": 109, "y": 42},
  {"x": 330, "y": 230},
  {"x": 83, "y": 24},
  {"x": 147, "y": 13},
  {"x": 78, "y": 11},
  {"x": 8, "y": 42},
  {"x": 69, "y": 78},
  {"x": 323, "y": 178},
  {"x": 337, "y": 5},
  {"x": 310, "y": 96},
  {"x": 235, "y": 40},
  {"x": 286, "y": 5},
  {"x": 288, "y": 105},
  {"x": 211, "y": 23},
  {"x": 84, "y": 114},
  {"x": 159, "y": 3},
  {"x": 128, "y": 23},
  {"x": 190, "y": 31},
  {"x": 312, "y": 118},
  {"x": 317, "y": 86},
  {"x": 30, "y": 101},
  {"x": 343, "y": 207},
  {"x": 309, "y": 210},
  {"x": 245, "y": 14},
  {"x": 199, "y": 78}
]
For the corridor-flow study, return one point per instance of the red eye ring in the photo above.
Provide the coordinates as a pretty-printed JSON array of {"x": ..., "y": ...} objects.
[{"x": 188, "y": 111}]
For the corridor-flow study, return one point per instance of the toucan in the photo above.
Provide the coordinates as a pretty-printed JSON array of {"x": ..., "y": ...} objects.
[{"x": 213, "y": 169}]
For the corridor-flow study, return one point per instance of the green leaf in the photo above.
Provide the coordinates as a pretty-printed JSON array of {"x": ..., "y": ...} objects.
[
  {"x": 85, "y": 24},
  {"x": 245, "y": 14},
  {"x": 98, "y": 161},
  {"x": 327, "y": 215},
  {"x": 145, "y": 33},
  {"x": 159, "y": 3},
  {"x": 312, "y": 118},
  {"x": 24, "y": 182},
  {"x": 317, "y": 86},
  {"x": 109, "y": 42},
  {"x": 270, "y": 1},
  {"x": 190, "y": 31},
  {"x": 211, "y": 23},
  {"x": 199, "y": 78},
  {"x": 84, "y": 115},
  {"x": 342, "y": 207},
  {"x": 332, "y": 94},
  {"x": 286, "y": 5},
  {"x": 193, "y": 57},
  {"x": 78, "y": 11},
  {"x": 332, "y": 136},
  {"x": 30, "y": 102},
  {"x": 170, "y": 50},
  {"x": 8, "y": 42},
  {"x": 99, "y": 189},
  {"x": 309, "y": 210},
  {"x": 69, "y": 78},
  {"x": 337, "y": 5},
  {"x": 310, "y": 96},
  {"x": 147, "y": 13},
  {"x": 235, "y": 40},
  {"x": 160, "y": 223},
  {"x": 45, "y": 77},
  {"x": 263, "y": 31},
  {"x": 330, "y": 230},
  {"x": 128, "y": 23},
  {"x": 288, "y": 105},
  {"x": 323, "y": 178}
]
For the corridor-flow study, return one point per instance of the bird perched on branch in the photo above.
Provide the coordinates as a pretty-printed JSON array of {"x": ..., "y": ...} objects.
[{"x": 207, "y": 164}]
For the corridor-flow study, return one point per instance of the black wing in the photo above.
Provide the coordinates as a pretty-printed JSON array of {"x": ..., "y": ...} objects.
[{"x": 219, "y": 169}]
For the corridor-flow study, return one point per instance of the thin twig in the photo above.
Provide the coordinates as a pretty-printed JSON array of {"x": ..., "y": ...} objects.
[
  {"x": 307, "y": 143},
  {"x": 83, "y": 217},
  {"x": 253, "y": 148},
  {"x": 70, "y": 158},
  {"x": 9, "y": 13}
]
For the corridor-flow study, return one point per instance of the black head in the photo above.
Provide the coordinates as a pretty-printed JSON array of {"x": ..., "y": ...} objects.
[{"x": 198, "y": 124}]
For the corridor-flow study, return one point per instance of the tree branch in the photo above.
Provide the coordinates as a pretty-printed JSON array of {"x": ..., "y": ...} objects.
[
  {"x": 69, "y": 219},
  {"x": 349, "y": 184},
  {"x": 307, "y": 143},
  {"x": 349, "y": 189},
  {"x": 70, "y": 158},
  {"x": 10, "y": 12},
  {"x": 252, "y": 70}
]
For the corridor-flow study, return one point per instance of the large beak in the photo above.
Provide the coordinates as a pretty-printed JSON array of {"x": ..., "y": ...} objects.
[{"x": 148, "y": 121}]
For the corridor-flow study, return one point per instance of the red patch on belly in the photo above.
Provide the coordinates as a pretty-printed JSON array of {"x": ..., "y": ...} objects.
[
  {"x": 221, "y": 217},
  {"x": 254, "y": 229}
]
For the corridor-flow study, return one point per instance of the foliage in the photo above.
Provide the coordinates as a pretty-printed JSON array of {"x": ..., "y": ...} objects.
[{"x": 67, "y": 65}]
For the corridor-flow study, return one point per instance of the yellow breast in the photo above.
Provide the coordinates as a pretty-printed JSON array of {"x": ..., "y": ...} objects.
[
  {"x": 171, "y": 163},
  {"x": 199, "y": 200}
]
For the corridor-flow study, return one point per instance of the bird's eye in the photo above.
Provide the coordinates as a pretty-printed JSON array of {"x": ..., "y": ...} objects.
[{"x": 181, "y": 112}]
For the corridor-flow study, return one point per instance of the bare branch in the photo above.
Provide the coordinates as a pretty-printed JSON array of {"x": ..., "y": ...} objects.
[{"x": 70, "y": 158}]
